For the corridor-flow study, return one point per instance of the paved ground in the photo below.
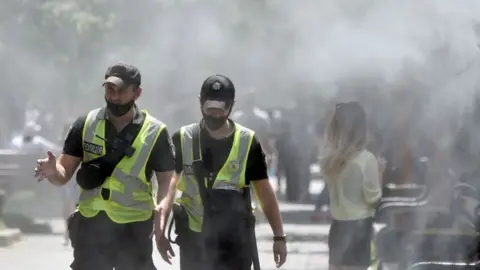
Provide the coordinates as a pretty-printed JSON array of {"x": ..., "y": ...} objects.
[
  {"x": 47, "y": 253},
  {"x": 307, "y": 247}
]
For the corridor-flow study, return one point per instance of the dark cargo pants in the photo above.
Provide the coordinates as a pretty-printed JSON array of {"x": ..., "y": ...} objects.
[
  {"x": 197, "y": 253},
  {"x": 225, "y": 256},
  {"x": 102, "y": 244}
]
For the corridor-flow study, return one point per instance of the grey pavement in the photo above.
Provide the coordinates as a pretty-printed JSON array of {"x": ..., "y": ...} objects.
[
  {"x": 306, "y": 245},
  {"x": 47, "y": 253}
]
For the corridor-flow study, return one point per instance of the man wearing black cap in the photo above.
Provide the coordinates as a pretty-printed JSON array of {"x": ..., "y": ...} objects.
[
  {"x": 119, "y": 148},
  {"x": 213, "y": 220}
]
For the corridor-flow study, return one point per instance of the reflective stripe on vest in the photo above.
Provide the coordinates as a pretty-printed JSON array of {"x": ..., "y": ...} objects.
[
  {"x": 90, "y": 132},
  {"x": 128, "y": 184},
  {"x": 231, "y": 176}
]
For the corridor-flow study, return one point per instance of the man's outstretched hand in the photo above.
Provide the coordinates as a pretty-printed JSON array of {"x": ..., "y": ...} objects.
[{"x": 46, "y": 167}]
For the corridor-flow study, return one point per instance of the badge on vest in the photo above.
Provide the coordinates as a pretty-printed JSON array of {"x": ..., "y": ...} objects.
[
  {"x": 92, "y": 148},
  {"x": 233, "y": 166},
  {"x": 188, "y": 169}
]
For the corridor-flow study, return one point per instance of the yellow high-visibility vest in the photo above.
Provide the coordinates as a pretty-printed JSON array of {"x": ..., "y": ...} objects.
[
  {"x": 231, "y": 176},
  {"x": 131, "y": 197}
]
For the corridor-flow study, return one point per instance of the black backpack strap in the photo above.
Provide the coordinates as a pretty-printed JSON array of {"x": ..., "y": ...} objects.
[{"x": 197, "y": 154}]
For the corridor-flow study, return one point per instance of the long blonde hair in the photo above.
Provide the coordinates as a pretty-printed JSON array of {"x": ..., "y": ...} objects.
[{"x": 345, "y": 136}]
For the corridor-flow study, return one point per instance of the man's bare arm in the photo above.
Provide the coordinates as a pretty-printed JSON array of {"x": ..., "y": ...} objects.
[
  {"x": 66, "y": 167},
  {"x": 165, "y": 196},
  {"x": 269, "y": 204}
]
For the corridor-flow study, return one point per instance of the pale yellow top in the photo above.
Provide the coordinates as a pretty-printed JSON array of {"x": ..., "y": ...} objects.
[{"x": 355, "y": 192}]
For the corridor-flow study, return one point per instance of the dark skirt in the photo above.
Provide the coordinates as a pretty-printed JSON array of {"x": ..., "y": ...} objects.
[{"x": 349, "y": 242}]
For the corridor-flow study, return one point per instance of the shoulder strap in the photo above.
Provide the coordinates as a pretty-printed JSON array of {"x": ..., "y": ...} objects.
[
  {"x": 198, "y": 167},
  {"x": 196, "y": 143}
]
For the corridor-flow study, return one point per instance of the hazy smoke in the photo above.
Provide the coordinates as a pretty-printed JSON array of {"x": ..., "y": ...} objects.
[
  {"x": 398, "y": 56},
  {"x": 274, "y": 46}
]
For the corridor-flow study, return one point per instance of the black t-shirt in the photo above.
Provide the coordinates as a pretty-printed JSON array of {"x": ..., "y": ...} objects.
[
  {"x": 161, "y": 159},
  {"x": 217, "y": 151}
]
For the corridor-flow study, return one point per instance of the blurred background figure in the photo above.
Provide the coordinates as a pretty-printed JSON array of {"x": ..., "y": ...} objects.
[
  {"x": 466, "y": 146},
  {"x": 322, "y": 201},
  {"x": 252, "y": 116},
  {"x": 287, "y": 174}
]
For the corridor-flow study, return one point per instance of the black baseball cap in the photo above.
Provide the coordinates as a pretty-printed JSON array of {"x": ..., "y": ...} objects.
[
  {"x": 216, "y": 90},
  {"x": 122, "y": 75}
]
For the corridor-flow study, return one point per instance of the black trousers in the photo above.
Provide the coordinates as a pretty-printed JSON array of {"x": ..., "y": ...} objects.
[
  {"x": 214, "y": 255},
  {"x": 101, "y": 244}
]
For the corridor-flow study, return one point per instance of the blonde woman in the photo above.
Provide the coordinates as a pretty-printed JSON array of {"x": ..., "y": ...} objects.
[{"x": 352, "y": 177}]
